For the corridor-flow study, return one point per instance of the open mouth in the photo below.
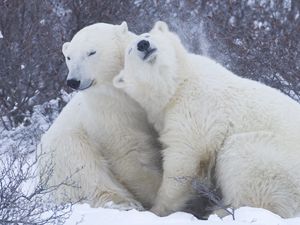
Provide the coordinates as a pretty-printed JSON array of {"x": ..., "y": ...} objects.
[
  {"x": 86, "y": 86},
  {"x": 149, "y": 53}
]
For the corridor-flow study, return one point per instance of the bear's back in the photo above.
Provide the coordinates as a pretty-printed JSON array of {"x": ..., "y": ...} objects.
[{"x": 252, "y": 104}]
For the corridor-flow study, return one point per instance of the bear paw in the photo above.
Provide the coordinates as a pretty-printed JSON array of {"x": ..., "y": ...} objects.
[
  {"x": 124, "y": 205},
  {"x": 113, "y": 200},
  {"x": 160, "y": 211}
]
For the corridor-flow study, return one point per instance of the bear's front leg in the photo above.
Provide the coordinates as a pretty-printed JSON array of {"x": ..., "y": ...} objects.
[
  {"x": 190, "y": 154},
  {"x": 181, "y": 165}
]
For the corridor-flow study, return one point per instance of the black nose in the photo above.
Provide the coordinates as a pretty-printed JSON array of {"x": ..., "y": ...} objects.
[
  {"x": 143, "y": 45},
  {"x": 73, "y": 83}
]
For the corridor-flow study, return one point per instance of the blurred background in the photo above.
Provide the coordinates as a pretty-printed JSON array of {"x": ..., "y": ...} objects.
[{"x": 257, "y": 39}]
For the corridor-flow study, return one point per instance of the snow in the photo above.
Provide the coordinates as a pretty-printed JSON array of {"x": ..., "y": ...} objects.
[
  {"x": 287, "y": 4},
  {"x": 138, "y": 2},
  {"x": 42, "y": 22},
  {"x": 203, "y": 42},
  {"x": 238, "y": 42},
  {"x": 232, "y": 21},
  {"x": 259, "y": 24},
  {"x": 243, "y": 216},
  {"x": 251, "y": 3},
  {"x": 59, "y": 9}
]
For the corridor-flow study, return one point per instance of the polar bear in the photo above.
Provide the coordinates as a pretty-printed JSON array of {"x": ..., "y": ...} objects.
[
  {"x": 101, "y": 140},
  {"x": 214, "y": 125}
]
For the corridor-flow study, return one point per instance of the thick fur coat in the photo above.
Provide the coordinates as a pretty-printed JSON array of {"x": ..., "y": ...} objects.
[
  {"x": 101, "y": 141},
  {"x": 214, "y": 125}
]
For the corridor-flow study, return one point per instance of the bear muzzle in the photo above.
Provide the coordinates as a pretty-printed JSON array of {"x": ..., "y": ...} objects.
[
  {"x": 73, "y": 83},
  {"x": 145, "y": 47}
]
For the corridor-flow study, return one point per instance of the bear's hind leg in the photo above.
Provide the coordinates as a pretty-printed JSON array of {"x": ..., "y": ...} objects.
[
  {"x": 89, "y": 178},
  {"x": 111, "y": 194},
  {"x": 103, "y": 189},
  {"x": 254, "y": 169}
]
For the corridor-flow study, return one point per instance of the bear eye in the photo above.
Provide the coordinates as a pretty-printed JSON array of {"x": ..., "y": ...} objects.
[
  {"x": 92, "y": 53},
  {"x": 68, "y": 58}
]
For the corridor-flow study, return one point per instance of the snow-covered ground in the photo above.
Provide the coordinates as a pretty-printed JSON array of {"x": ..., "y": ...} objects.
[
  {"x": 243, "y": 216},
  {"x": 26, "y": 138}
]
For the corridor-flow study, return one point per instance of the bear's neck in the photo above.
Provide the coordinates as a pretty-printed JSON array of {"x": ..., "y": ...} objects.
[
  {"x": 159, "y": 100},
  {"x": 154, "y": 104}
]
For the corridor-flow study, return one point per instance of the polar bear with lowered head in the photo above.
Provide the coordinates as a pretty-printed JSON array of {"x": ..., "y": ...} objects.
[
  {"x": 101, "y": 140},
  {"x": 214, "y": 125}
]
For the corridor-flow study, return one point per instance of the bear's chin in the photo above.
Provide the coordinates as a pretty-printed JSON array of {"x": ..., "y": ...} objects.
[
  {"x": 150, "y": 56},
  {"x": 90, "y": 84},
  {"x": 151, "y": 59}
]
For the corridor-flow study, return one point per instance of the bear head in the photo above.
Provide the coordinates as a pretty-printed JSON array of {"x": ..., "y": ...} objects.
[
  {"x": 151, "y": 70},
  {"x": 95, "y": 54}
]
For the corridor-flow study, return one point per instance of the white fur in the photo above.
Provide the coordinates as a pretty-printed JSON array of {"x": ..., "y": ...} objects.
[
  {"x": 102, "y": 138},
  {"x": 214, "y": 123}
]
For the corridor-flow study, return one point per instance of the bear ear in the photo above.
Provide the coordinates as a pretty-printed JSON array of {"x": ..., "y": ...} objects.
[
  {"x": 124, "y": 27},
  {"x": 161, "y": 26},
  {"x": 118, "y": 81},
  {"x": 65, "y": 47}
]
